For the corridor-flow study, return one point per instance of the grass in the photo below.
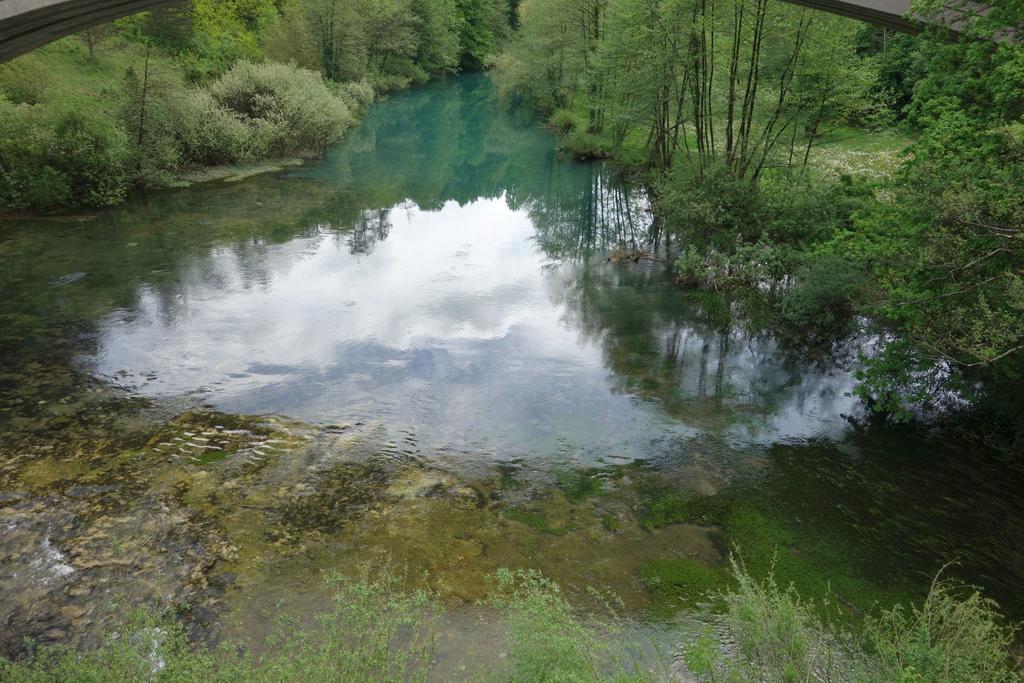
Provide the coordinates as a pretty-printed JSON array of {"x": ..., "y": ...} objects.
[
  {"x": 886, "y": 140},
  {"x": 375, "y": 629},
  {"x": 851, "y": 151},
  {"x": 548, "y": 641},
  {"x": 372, "y": 630},
  {"x": 62, "y": 71},
  {"x": 955, "y": 636}
]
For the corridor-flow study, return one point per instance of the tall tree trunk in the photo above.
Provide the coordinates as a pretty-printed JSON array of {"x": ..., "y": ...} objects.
[
  {"x": 734, "y": 61},
  {"x": 143, "y": 95},
  {"x": 753, "y": 73}
]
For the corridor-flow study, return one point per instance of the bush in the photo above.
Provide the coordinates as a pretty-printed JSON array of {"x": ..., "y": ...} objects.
[
  {"x": 952, "y": 637},
  {"x": 358, "y": 94},
  {"x": 26, "y": 80},
  {"x": 61, "y": 154},
  {"x": 584, "y": 145},
  {"x": 712, "y": 208},
  {"x": 825, "y": 285},
  {"x": 287, "y": 109},
  {"x": 564, "y": 121},
  {"x": 782, "y": 636},
  {"x": 778, "y": 637},
  {"x": 389, "y": 82},
  {"x": 210, "y": 134},
  {"x": 76, "y": 153},
  {"x": 258, "y": 111},
  {"x": 773, "y": 238}
]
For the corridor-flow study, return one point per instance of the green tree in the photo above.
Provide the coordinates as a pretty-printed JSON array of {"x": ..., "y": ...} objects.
[
  {"x": 545, "y": 59},
  {"x": 484, "y": 25},
  {"x": 947, "y": 250}
]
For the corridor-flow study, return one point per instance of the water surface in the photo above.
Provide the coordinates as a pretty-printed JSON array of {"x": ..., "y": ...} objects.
[{"x": 399, "y": 350}]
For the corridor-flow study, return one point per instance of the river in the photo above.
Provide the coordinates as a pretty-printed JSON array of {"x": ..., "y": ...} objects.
[{"x": 447, "y": 348}]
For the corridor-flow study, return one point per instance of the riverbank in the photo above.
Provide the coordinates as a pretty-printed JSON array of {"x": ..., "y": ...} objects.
[
  {"x": 376, "y": 629},
  {"x": 812, "y": 251},
  {"x": 86, "y": 131},
  {"x": 177, "y": 91}
]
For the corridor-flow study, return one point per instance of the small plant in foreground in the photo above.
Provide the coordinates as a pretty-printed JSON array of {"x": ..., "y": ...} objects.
[
  {"x": 379, "y": 630},
  {"x": 549, "y": 642},
  {"x": 774, "y": 635},
  {"x": 956, "y": 635}
]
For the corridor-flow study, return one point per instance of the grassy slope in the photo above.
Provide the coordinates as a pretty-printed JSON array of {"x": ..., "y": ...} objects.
[{"x": 63, "y": 70}]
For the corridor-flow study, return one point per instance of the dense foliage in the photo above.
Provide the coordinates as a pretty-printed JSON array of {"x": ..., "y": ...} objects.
[
  {"x": 392, "y": 43},
  {"x": 707, "y": 81},
  {"x": 139, "y": 101},
  {"x": 945, "y": 247},
  {"x": 58, "y": 155}
]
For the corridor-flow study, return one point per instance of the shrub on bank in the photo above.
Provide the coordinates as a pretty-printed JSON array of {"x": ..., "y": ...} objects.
[
  {"x": 956, "y": 635},
  {"x": 773, "y": 237},
  {"x": 258, "y": 111},
  {"x": 287, "y": 110},
  {"x": 358, "y": 94},
  {"x": 57, "y": 154},
  {"x": 88, "y": 151},
  {"x": 564, "y": 121},
  {"x": 772, "y": 634},
  {"x": 208, "y": 133},
  {"x": 583, "y": 145},
  {"x": 824, "y": 288}
]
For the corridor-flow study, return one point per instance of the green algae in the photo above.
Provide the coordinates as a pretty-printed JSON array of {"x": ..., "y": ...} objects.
[
  {"x": 536, "y": 520},
  {"x": 611, "y": 523},
  {"x": 342, "y": 494},
  {"x": 508, "y": 477},
  {"x": 280, "y": 502},
  {"x": 45, "y": 472},
  {"x": 433, "y": 524},
  {"x": 814, "y": 561},
  {"x": 263, "y": 504},
  {"x": 666, "y": 506},
  {"x": 685, "y": 582},
  {"x": 578, "y": 485}
]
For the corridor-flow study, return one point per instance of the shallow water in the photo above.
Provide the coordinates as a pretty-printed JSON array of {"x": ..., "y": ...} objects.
[{"x": 419, "y": 351}]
